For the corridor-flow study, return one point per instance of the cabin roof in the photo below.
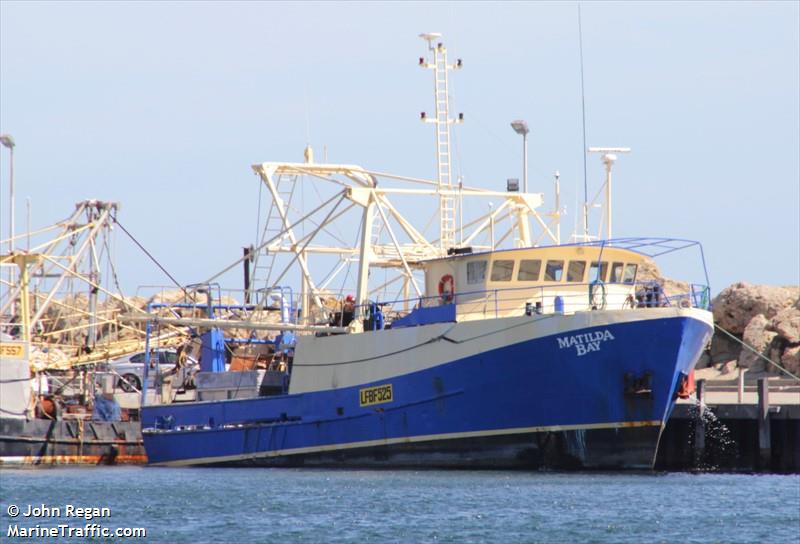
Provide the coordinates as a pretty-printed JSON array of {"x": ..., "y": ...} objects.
[{"x": 648, "y": 247}]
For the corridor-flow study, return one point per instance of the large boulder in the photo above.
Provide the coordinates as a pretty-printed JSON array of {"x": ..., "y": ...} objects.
[
  {"x": 791, "y": 360},
  {"x": 760, "y": 339},
  {"x": 787, "y": 324},
  {"x": 737, "y": 305}
]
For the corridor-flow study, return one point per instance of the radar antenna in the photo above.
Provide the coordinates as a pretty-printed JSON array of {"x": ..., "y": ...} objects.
[{"x": 608, "y": 158}]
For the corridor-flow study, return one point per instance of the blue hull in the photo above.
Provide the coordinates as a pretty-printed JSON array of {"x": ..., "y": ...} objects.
[{"x": 550, "y": 401}]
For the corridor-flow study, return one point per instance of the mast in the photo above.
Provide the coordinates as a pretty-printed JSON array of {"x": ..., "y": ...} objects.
[{"x": 442, "y": 121}]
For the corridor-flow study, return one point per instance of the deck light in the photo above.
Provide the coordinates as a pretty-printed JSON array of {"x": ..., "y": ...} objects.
[{"x": 521, "y": 127}]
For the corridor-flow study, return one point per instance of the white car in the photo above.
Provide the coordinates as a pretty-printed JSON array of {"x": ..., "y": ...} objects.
[{"x": 129, "y": 370}]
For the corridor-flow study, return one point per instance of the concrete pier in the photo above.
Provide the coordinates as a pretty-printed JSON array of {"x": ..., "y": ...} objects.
[{"x": 733, "y": 426}]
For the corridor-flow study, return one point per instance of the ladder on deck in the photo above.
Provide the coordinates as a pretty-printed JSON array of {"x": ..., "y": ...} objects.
[{"x": 264, "y": 260}]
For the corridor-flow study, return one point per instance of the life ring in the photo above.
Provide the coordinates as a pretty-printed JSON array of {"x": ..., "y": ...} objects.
[
  {"x": 447, "y": 288},
  {"x": 597, "y": 295}
]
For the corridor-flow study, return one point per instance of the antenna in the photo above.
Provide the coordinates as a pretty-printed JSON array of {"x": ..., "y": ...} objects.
[
  {"x": 583, "y": 149},
  {"x": 608, "y": 158},
  {"x": 442, "y": 120}
]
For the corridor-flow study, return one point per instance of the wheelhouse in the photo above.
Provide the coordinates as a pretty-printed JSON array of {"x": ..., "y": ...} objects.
[{"x": 542, "y": 279}]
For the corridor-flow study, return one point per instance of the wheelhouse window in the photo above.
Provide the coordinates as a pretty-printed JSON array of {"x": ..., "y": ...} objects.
[
  {"x": 603, "y": 268},
  {"x": 553, "y": 271},
  {"x": 616, "y": 273},
  {"x": 502, "y": 270},
  {"x": 629, "y": 276},
  {"x": 476, "y": 272},
  {"x": 575, "y": 271},
  {"x": 529, "y": 270}
]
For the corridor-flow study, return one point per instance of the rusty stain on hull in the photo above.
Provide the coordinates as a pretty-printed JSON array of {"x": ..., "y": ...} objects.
[
  {"x": 73, "y": 460},
  {"x": 37, "y": 442}
]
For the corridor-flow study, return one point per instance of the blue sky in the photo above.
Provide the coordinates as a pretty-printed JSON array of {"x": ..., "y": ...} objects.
[{"x": 164, "y": 107}]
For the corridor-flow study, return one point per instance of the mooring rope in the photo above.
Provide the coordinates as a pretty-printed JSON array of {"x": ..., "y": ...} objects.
[{"x": 754, "y": 350}]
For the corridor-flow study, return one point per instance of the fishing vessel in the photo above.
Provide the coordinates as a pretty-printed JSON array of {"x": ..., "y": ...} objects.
[
  {"x": 59, "y": 303},
  {"x": 503, "y": 347}
]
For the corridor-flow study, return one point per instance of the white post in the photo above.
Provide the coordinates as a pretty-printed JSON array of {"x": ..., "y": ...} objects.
[
  {"x": 11, "y": 271},
  {"x": 11, "y": 203},
  {"x": 28, "y": 222},
  {"x": 523, "y": 227},
  {"x": 609, "y": 161},
  {"x": 585, "y": 221},
  {"x": 7, "y": 141},
  {"x": 521, "y": 127},
  {"x": 304, "y": 298},
  {"x": 491, "y": 224},
  {"x": 364, "y": 258},
  {"x": 525, "y": 161},
  {"x": 742, "y": 370}
]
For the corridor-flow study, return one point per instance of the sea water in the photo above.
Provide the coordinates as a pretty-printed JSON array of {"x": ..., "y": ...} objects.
[{"x": 177, "y": 505}]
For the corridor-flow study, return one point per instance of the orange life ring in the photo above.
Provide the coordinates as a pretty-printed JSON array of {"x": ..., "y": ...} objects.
[{"x": 447, "y": 288}]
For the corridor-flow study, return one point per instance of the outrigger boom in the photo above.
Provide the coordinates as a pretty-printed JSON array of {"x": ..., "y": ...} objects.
[{"x": 231, "y": 324}]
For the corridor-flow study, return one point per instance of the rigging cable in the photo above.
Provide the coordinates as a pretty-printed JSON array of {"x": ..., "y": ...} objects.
[
  {"x": 135, "y": 241},
  {"x": 761, "y": 355}
]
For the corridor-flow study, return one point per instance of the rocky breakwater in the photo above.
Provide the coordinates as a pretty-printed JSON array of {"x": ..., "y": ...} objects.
[{"x": 762, "y": 316}]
